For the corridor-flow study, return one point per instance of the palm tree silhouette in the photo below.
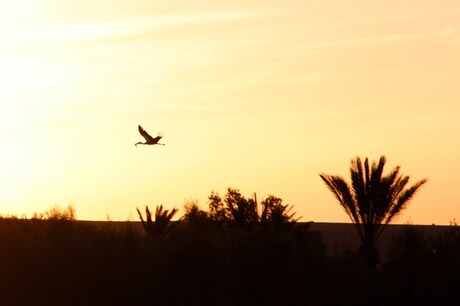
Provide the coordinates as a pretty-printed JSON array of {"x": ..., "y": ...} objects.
[
  {"x": 277, "y": 214},
  {"x": 372, "y": 200},
  {"x": 162, "y": 224}
]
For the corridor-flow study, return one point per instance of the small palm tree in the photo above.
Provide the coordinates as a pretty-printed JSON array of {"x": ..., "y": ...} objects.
[
  {"x": 194, "y": 216},
  {"x": 372, "y": 200},
  {"x": 161, "y": 226},
  {"x": 277, "y": 214}
]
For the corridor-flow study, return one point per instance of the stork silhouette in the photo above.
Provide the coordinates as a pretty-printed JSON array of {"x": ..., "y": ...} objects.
[{"x": 149, "y": 140}]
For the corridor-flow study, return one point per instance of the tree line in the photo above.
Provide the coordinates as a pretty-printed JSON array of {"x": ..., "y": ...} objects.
[
  {"x": 372, "y": 200},
  {"x": 239, "y": 251}
]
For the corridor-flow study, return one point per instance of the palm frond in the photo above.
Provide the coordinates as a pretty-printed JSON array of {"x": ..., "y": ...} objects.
[{"x": 342, "y": 192}]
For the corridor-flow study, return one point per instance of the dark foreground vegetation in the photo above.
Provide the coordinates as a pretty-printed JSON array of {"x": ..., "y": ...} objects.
[
  {"x": 52, "y": 259},
  {"x": 238, "y": 252}
]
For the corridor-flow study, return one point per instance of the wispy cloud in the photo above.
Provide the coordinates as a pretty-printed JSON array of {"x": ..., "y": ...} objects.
[
  {"x": 366, "y": 40},
  {"x": 124, "y": 26}
]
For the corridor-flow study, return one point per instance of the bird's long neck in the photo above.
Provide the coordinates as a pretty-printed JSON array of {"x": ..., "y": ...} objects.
[{"x": 138, "y": 143}]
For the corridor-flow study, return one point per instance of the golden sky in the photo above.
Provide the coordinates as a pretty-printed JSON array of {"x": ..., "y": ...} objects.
[{"x": 260, "y": 97}]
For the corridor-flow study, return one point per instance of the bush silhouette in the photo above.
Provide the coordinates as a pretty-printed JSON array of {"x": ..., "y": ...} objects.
[
  {"x": 194, "y": 216},
  {"x": 235, "y": 209}
]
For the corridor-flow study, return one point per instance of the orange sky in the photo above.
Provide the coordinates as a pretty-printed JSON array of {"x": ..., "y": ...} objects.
[{"x": 258, "y": 97}]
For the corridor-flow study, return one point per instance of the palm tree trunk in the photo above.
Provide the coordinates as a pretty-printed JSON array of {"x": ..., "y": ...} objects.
[{"x": 370, "y": 252}]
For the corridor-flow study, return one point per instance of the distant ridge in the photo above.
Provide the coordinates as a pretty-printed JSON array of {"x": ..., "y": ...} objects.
[
  {"x": 343, "y": 236},
  {"x": 338, "y": 237}
]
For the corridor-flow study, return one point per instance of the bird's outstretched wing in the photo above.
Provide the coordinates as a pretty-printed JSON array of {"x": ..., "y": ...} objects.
[
  {"x": 146, "y": 135},
  {"x": 156, "y": 139}
]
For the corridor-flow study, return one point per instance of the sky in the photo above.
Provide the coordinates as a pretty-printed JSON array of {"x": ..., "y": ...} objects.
[{"x": 258, "y": 96}]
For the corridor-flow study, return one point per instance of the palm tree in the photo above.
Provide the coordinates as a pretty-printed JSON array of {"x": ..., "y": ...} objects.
[
  {"x": 372, "y": 200},
  {"x": 160, "y": 227},
  {"x": 277, "y": 214}
]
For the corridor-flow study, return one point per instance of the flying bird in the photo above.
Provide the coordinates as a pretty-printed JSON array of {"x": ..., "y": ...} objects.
[{"x": 149, "y": 140}]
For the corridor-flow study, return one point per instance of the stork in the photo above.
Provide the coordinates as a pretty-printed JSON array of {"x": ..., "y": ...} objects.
[{"x": 149, "y": 140}]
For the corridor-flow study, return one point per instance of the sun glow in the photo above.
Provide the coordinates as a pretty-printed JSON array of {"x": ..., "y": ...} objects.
[{"x": 256, "y": 97}]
